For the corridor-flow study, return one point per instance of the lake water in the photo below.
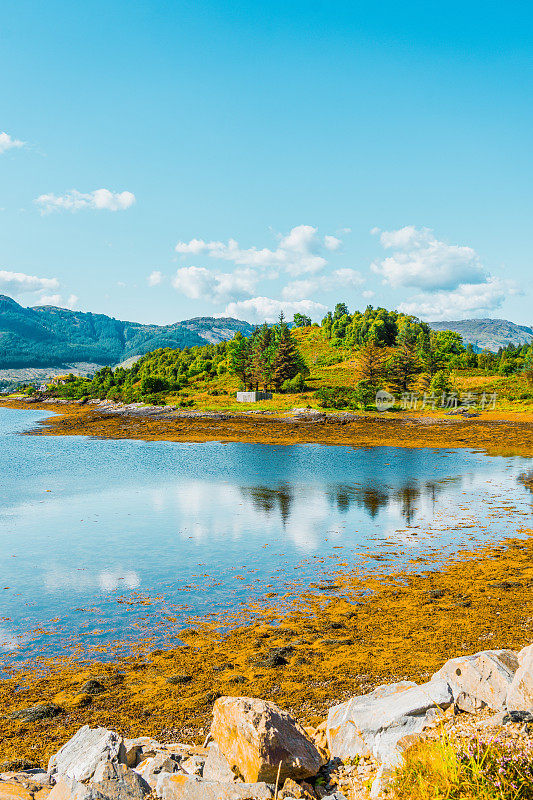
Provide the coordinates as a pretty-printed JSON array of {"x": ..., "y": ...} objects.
[{"x": 90, "y": 529}]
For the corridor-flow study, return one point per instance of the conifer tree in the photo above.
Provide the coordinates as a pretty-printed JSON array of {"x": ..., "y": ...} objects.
[
  {"x": 371, "y": 363},
  {"x": 287, "y": 360}
]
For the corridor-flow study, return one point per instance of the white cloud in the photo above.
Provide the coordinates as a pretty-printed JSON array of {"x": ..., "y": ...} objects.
[
  {"x": 99, "y": 200},
  {"x": 297, "y": 290},
  {"x": 420, "y": 260},
  {"x": 17, "y": 283},
  {"x": 199, "y": 283},
  {"x": 298, "y": 252},
  {"x": 155, "y": 278},
  {"x": 467, "y": 300},
  {"x": 265, "y": 309},
  {"x": 8, "y": 143},
  {"x": 57, "y": 300},
  {"x": 332, "y": 243}
]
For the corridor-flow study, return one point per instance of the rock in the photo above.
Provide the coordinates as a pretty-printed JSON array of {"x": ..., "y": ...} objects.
[
  {"x": 17, "y": 765},
  {"x": 375, "y": 724},
  {"x": 37, "y": 712},
  {"x": 182, "y": 787},
  {"x": 179, "y": 680},
  {"x": 117, "y": 782},
  {"x": 193, "y": 765},
  {"x": 517, "y": 717},
  {"x": 92, "y": 686},
  {"x": 151, "y": 768},
  {"x": 216, "y": 767},
  {"x": 520, "y": 694},
  {"x": 291, "y": 789},
  {"x": 480, "y": 680},
  {"x": 88, "y": 748},
  {"x": 139, "y": 749},
  {"x": 11, "y": 790},
  {"x": 71, "y": 789},
  {"x": 256, "y": 736},
  {"x": 335, "y": 796}
]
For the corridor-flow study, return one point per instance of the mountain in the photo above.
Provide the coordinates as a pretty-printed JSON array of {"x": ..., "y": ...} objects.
[
  {"x": 487, "y": 334},
  {"x": 47, "y": 336}
]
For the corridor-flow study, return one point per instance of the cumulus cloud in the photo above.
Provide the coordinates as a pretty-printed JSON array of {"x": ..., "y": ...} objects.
[
  {"x": 422, "y": 261},
  {"x": 99, "y": 200},
  {"x": 298, "y": 252},
  {"x": 199, "y": 283},
  {"x": 57, "y": 300},
  {"x": 467, "y": 300},
  {"x": 17, "y": 283},
  {"x": 304, "y": 288},
  {"x": 155, "y": 278},
  {"x": 8, "y": 143},
  {"x": 266, "y": 309}
]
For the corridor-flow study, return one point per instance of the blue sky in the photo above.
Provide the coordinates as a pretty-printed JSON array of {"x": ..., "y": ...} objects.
[{"x": 162, "y": 160}]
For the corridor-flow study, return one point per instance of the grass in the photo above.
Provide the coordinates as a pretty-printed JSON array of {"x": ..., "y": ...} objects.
[{"x": 447, "y": 769}]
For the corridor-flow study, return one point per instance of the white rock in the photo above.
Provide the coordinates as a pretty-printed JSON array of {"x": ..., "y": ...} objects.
[
  {"x": 480, "y": 680},
  {"x": 151, "y": 768},
  {"x": 139, "y": 749},
  {"x": 374, "y": 724},
  {"x": 520, "y": 694},
  {"x": 89, "y": 747},
  {"x": 216, "y": 767},
  {"x": 181, "y": 787}
]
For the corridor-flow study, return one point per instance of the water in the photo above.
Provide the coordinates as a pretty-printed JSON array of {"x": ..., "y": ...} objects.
[{"x": 100, "y": 540}]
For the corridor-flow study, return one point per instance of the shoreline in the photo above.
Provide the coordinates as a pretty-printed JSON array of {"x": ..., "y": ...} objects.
[{"x": 495, "y": 434}]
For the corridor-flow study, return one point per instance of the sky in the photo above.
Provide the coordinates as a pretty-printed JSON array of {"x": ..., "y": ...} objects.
[{"x": 165, "y": 160}]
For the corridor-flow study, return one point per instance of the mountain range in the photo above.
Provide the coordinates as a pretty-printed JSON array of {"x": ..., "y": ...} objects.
[
  {"x": 47, "y": 336},
  {"x": 44, "y": 340},
  {"x": 487, "y": 334}
]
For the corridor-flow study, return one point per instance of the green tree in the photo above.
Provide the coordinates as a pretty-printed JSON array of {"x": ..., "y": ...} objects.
[
  {"x": 287, "y": 360},
  {"x": 301, "y": 321},
  {"x": 263, "y": 350},
  {"x": 371, "y": 363},
  {"x": 239, "y": 358},
  {"x": 404, "y": 366}
]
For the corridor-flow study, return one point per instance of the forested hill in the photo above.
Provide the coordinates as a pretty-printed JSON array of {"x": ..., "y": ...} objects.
[
  {"x": 46, "y": 336},
  {"x": 488, "y": 334}
]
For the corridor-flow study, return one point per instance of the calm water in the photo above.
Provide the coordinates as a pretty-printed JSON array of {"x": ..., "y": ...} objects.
[{"x": 89, "y": 528}]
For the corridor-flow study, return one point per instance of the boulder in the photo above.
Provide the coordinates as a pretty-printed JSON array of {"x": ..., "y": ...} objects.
[
  {"x": 139, "y": 749},
  {"x": 117, "y": 782},
  {"x": 70, "y": 789},
  {"x": 216, "y": 767},
  {"x": 256, "y": 736},
  {"x": 12, "y": 790},
  {"x": 187, "y": 787},
  {"x": 520, "y": 694},
  {"x": 375, "y": 724},
  {"x": 88, "y": 748},
  {"x": 151, "y": 768},
  {"x": 480, "y": 680}
]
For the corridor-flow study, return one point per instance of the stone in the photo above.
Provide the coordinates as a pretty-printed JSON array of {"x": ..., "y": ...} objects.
[
  {"x": 374, "y": 724},
  {"x": 71, "y": 789},
  {"x": 187, "y": 787},
  {"x": 37, "y": 712},
  {"x": 520, "y": 694},
  {"x": 150, "y": 768},
  {"x": 483, "y": 679},
  {"x": 216, "y": 767},
  {"x": 335, "y": 796},
  {"x": 291, "y": 789},
  {"x": 88, "y": 748},
  {"x": 139, "y": 749},
  {"x": 194, "y": 765},
  {"x": 117, "y": 782},
  {"x": 256, "y": 736},
  {"x": 92, "y": 686},
  {"x": 11, "y": 790}
]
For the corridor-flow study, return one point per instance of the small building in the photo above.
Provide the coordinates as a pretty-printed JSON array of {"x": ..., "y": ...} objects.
[{"x": 253, "y": 397}]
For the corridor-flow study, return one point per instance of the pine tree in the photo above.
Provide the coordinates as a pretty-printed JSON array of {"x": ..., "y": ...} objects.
[
  {"x": 263, "y": 353},
  {"x": 371, "y": 363},
  {"x": 239, "y": 358},
  {"x": 287, "y": 360},
  {"x": 404, "y": 367}
]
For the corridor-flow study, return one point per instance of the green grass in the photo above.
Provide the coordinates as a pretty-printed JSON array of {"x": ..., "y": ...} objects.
[{"x": 447, "y": 769}]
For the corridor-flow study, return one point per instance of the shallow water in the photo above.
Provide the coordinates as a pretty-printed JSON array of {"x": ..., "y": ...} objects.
[{"x": 90, "y": 528}]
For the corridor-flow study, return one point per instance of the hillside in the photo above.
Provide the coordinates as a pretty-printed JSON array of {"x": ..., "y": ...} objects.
[
  {"x": 46, "y": 336},
  {"x": 487, "y": 334}
]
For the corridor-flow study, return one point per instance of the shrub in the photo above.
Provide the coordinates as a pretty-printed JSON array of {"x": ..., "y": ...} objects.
[
  {"x": 466, "y": 770},
  {"x": 294, "y": 385}
]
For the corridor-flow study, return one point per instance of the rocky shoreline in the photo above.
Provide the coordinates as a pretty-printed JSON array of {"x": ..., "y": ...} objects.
[{"x": 256, "y": 750}]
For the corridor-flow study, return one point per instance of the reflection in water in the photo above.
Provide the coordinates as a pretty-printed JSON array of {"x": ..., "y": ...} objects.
[
  {"x": 210, "y": 526},
  {"x": 342, "y": 497}
]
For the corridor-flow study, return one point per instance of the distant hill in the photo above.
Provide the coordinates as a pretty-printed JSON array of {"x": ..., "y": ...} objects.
[
  {"x": 47, "y": 336},
  {"x": 487, "y": 334}
]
